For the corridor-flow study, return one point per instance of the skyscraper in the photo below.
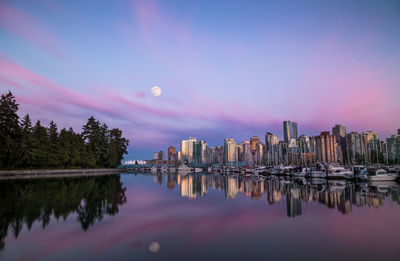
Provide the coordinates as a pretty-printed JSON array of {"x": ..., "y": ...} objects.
[
  {"x": 187, "y": 149},
  {"x": 326, "y": 147},
  {"x": 354, "y": 147},
  {"x": 171, "y": 153},
  {"x": 271, "y": 149},
  {"x": 289, "y": 131},
  {"x": 254, "y": 140},
  {"x": 339, "y": 131},
  {"x": 393, "y": 148},
  {"x": 230, "y": 150},
  {"x": 196, "y": 152}
]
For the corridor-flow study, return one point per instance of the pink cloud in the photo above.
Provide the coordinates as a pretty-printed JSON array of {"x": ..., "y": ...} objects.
[{"x": 26, "y": 27}]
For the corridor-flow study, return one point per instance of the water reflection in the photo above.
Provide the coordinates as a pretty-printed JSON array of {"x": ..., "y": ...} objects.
[
  {"x": 297, "y": 193},
  {"x": 28, "y": 201}
]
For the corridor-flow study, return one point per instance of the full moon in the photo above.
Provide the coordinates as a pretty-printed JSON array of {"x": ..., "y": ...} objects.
[{"x": 156, "y": 91}]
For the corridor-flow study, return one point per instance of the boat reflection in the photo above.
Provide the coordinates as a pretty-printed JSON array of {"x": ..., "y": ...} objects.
[{"x": 342, "y": 195}]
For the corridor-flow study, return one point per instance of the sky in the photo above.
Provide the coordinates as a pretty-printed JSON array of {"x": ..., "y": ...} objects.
[{"x": 226, "y": 68}]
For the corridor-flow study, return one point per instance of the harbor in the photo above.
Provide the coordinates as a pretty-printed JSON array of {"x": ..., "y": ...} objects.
[{"x": 320, "y": 170}]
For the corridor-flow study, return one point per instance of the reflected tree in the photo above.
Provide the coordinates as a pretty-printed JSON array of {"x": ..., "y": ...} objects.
[{"x": 26, "y": 202}]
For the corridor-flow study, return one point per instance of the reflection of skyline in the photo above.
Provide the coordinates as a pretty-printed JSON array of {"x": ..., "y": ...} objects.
[{"x": 296, "y": 193}]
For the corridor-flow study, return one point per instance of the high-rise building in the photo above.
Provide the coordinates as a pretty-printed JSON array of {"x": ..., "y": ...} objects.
[
  {"x": 393, "y": 148},
  {"x": 204, "y": 150},
  {"x": 218, "y": 152},
  {"x": 191, "y": 142},
  {"x": 306, "y": 155},
  {"x": 354, "y": 147},
  {"x": 271, "y": 149},
  {"x": 254, "y": 140},
  {"x": 184, "y": 150},
  {"x": 230, "y": 150},
  {"x": 196, "y": 151},
  {"x": 371, "y": 146},
  {"x": 171, "y": 154},
  {"x": 244, "y": 151},
  {"x": 161, "y": 155},
  {"x": 187, "y": 149},
  {"x": 259, "y": 155},
  {"x": 339, "y": 131},
  {"x": 289, "y": 131},
  {"x": 155, "y": 156},
  {"x": 326, "y": 147}
]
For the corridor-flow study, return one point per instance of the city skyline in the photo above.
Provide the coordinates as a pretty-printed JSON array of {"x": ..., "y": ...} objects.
[
  {"x": 336, "y": 146},
  {"x": 226, "y": 69}
]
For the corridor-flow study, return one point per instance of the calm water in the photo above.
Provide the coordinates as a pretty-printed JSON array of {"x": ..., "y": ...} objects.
[{"x": 198, "y": 217}]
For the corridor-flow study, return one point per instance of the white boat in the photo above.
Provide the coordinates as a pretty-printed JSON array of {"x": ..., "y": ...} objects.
[
  {"x": 154, "y": 169},
  {"x": 382, "y": 175},
  {"x": 198, "y": 170},
  {"x": 184, "y": 168},
  {"x": 339, "y": 172},
  {"x": 372, "y": 174}
]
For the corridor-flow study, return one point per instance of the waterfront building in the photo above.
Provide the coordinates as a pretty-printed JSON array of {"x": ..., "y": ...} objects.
[
  {"x": 254, "y": 140},
  {"x": 196, "y": 151},
  {"x": 339, "y": 131},
  {"x": 306, "y": 156},
  {"x": 354, "y": 147},
  {"x": 190, "y": 150},
  {"x": 218, "y": 153},
  {"x": 179, "y": 156},
  {"x": 161, "y": 155},
  {"x": 393, "y": 148},
  {"x": 259, "y": 154},
  {"x": 187, "y": 149},
  {"x": 184, "y": 150},
  {"x": 172, "y": 154},
  {"x": 371, "y": 144},
  {"x": 326, "y": 147},
  {"x": 244, "y": 152},
  {"x": 204, "y": 152},
  {"x": 230, "y": 150},
  {"x": 155, "y": 156},
  {"x": 271, "y": 149},
  {"x": 289, "y": 131}
]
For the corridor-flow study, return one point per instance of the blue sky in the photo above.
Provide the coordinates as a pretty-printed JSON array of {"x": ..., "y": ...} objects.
[{"x": 226, "y": 68}]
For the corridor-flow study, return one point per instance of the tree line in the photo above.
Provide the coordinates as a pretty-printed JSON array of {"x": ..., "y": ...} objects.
[{"x": 24, "y": 145}]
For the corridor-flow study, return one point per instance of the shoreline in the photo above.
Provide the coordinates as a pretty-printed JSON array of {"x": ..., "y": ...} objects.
[{"x": 55, "y": 173}]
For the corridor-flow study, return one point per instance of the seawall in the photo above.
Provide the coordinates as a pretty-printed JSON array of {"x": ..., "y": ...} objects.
[{"x": 55, "y": 173}]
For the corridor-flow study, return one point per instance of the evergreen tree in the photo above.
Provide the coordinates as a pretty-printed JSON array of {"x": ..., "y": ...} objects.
[
  {"x": 52, "y": 149},
  {"x": 117, "y": 147},
  {"x": 10, "y": 132},
  {"x": 95, "y": 135},
  {"x": 27, "y": 154},
  {"x": 22, "y": 145},
  {"x": 40, "y": 145}
]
